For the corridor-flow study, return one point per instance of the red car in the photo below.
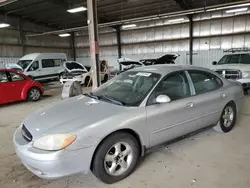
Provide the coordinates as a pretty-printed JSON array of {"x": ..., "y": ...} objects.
[{"x": 15, "y": 86}]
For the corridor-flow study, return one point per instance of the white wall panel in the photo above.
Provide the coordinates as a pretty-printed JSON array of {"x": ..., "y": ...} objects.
[
  {"x": 238, "y": 41},
  {"x": 239, "y": 24},
  {"x": 247, "y": 41},
  {"x": 226, "y": 42},
  {"x": 227, "y": 25},
  {"x": 215, "y": 43},
  {"x": 205, "y": 28},
  {"x": 215, "y": 27},
  {"x": 184, "y": 30}
]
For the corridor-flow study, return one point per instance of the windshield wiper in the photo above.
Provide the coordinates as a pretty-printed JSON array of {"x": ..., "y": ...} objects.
[
  {"x": 91, "y": 95},
  {"x": 104, "y": 97},
  {"x": 111, "y": 99}
]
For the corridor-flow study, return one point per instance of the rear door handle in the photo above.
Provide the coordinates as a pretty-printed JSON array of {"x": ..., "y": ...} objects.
[
  {"x": 222, "y": 95},
  {"x": 189, "y": 105}
]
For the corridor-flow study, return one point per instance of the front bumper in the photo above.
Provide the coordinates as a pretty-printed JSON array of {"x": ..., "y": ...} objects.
[{"x": 52, "y": 164}]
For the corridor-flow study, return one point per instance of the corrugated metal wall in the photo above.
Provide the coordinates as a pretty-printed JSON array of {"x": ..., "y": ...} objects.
[{"x": 213, "y": 32}]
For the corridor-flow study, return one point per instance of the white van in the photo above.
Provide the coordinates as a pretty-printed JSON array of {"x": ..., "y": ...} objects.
[{"x": 43, "y": 66}]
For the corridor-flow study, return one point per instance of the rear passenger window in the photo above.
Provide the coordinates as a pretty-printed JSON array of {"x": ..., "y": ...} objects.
[
  {"x": 204, "y": 82},
  {"x": 245, "y": 59},
  {"x": 47, "y": 63}
]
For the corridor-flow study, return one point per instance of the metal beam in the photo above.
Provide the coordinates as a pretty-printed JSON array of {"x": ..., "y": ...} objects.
[
  {"x": 26, "y": 7},
  {"x": 93, "y": 41},
  {"x": 190, "y": 17},
  {"x": 139, "y": 8},
  {"x": 119, "y": 46},
  {"x": 22, "y": 37},
  {"x": 73, "y": 47}
]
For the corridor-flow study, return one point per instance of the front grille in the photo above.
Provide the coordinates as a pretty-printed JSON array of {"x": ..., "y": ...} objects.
[
  {"x": 26, "y": 134},
  {"x": 230, "y": 74}
]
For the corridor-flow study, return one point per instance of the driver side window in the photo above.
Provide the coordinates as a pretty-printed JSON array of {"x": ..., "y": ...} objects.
[
  {"x": 175, "y": 86},
  {"x": 34, "y": 66}
]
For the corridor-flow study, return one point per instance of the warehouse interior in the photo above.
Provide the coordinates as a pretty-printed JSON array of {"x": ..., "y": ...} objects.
[{"x": 199, "y": 31}]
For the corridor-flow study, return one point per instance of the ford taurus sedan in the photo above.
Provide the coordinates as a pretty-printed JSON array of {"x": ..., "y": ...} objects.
[{"x": 106, "y": 131}]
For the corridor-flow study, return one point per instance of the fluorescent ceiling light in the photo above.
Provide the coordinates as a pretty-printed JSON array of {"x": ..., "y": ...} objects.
[
  {"x": 3, "y": 25},
  {"x": 237, "y": 10},
  {"x": 176, "y": 20},
  {"x": 128, "y": 26},
  {"x": 64, "y": 35},
  {"x": 78, "y": 9}
]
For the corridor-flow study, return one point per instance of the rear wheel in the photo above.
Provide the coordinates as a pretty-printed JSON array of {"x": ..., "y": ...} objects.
[
  {"x": 34, "y": 94},
  {"x": 116, "y": 158},
  {"x": 228, "y": 118}
]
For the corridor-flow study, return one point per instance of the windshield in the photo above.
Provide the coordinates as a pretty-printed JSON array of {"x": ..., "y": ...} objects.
[
  {"x": 24, "y": 63},
  {"x": 129, "y": 88}
]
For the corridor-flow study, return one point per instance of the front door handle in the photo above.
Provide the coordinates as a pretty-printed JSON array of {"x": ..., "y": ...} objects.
[
  {"x": 222, "y": 95},
  {"x": 189, "y": 105}
]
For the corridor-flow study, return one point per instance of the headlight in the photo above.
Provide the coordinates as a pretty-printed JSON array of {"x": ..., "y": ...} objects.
[
  {"x": 245, "y": 74},
  {"x": 54, "y": 142}
]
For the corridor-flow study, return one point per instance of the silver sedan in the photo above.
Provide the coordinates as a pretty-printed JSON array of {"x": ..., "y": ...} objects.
[{"x": 106, "y": 131}]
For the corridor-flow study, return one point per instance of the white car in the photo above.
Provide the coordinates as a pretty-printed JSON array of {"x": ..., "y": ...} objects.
[
  {"x": 75, "y": 71},
  {"x": 235, "y": 66}
]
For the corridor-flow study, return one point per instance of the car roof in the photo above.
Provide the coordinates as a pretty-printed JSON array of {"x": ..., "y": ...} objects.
[{"x": 167, "y": 68}]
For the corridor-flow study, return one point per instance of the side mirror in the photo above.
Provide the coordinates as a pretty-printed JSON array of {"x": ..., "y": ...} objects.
[
  {"x": 214, "y": 63},
  {"x": 163, "y": 99}
]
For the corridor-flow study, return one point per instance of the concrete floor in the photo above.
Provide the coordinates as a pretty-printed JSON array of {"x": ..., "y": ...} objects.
[{"x": 206, "y": 160}]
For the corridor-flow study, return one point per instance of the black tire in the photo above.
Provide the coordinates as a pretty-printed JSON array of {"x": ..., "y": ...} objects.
[
  {"x": 34, "y": 94},
  {"x": 106, "y": 77},
  {"x": 227, "y": 128},
  {"x": 98, "y": 164},
  {"x": 86, "y": 83}
]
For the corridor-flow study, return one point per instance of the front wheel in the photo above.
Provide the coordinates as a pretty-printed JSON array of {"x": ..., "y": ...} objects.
[
  {"x": 228, "y": 118},
  {"x": 116, "y": 158},
  {"x": 34, "y": 94}
]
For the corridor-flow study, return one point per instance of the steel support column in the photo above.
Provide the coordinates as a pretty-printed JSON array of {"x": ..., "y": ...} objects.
[
  {"x": 191, "y": 39},
  {"x": 22, "y": 37},
  {"x": 93, "y": 41},
  {"x": 119, "y": 46},
  {"x": 73, "y": 46}
]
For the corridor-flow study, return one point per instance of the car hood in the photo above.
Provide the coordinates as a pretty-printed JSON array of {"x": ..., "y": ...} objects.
[
  {"x": 73, "y": 66},
  {"x": 242, "y": 67},
  {"x": 68, "y": 115},
  {"x": 14, "y": 66},
  {"x": 127, "y": 62},
  {"x": 166, "y": 59}
]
